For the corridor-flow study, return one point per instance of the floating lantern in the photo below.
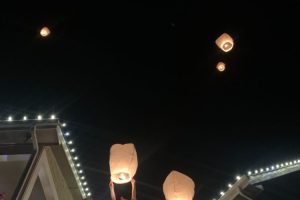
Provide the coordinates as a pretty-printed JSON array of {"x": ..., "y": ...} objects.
[
  {"x": 178, "y": 186},
  {"x": 221, "y": 66},
  {"x": 123, "y": 163},
  {"x": 225, "y": 42},
  {"x": 45, "y": 31}
]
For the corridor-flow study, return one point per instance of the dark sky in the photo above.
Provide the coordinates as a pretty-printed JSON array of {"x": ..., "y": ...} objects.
[{"x": 145, "y": 73}]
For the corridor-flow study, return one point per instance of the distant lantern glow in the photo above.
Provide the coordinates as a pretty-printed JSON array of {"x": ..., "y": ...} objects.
[
  {"x": 123, "y": 163},
  {"x": 53, "y": 117},
  {"x": 25, "y": 118},
  {"x": 9, "y": 118},
  {"x": 45, "y": 31},
  {"x": 178, "y": 186},
  {"x": 39, "y": 117},
  {"x": 221, "y": 66},
  {"x": 225, "y": 42}
]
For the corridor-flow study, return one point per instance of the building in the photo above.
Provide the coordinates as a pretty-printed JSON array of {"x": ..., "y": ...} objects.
[
  {"x": 248, "y": 187},
  {"x": 37, "y": 161}
]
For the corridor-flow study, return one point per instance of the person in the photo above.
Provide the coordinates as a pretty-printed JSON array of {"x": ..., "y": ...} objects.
[
  {"x": 2, "y": 195},
  {"x": 113, "y": 194}
]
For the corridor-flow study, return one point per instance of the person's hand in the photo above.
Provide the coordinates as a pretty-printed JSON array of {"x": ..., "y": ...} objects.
[
  {"x": 132, "y": 181},
  {"x": 111, "y": 184}
]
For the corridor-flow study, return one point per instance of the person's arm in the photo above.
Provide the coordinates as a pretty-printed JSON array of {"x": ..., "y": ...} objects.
[
  {"x": 112, "y": 190},
  {"x": 133, "y": 190}
]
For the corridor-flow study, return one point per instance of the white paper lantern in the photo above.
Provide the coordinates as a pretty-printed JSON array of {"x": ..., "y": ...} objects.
[
  {"x": 225, "y": 42},
  {"x": 45, "y": 31},
  {"x": 221, "y": 66},
  {"x": 123, "y": 163},
  {"x": 178, "y": 186}
]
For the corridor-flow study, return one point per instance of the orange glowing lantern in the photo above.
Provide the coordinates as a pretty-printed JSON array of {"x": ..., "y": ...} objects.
[
  {"x": 123, "y": 163},
  {"x": 221, "y": 66},
  {"x": 225, "y": 42},
  {"x": 178, "y": 186},
  {"x": 45, "y": 31}
]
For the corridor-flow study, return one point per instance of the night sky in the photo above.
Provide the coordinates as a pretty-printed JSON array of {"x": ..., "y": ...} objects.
[{"x": 145, "y": 73}]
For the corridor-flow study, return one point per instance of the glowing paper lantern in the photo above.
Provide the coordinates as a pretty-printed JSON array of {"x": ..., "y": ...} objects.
[
  {"x": 45, "y": 31},
  {"x": 221, "y": 66},
  {"x": 225, "y": 42},
  {"x": 123, "y": 163},
  {"x": 178, "y": 186}
]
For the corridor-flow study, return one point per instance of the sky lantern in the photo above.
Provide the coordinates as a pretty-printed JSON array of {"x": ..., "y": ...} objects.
[
  {"x": 45, "y": 31},
  {"x": 123, "y": 162},
  {"x": 221, "y": 66},
  {"x": 225, "y": 42},
  {"x": 178, "y": 186}
]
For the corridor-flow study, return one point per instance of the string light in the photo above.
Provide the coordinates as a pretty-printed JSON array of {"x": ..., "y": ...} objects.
[{"x": 39, "y": 117}]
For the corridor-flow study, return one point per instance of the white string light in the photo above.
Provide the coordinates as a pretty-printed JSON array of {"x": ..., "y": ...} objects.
[{"x": 10, "y": 119}]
